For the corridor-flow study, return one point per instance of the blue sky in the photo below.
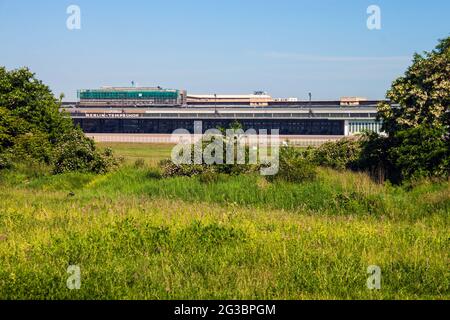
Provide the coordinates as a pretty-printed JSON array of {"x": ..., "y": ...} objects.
[{"x": 286, "y": 47}]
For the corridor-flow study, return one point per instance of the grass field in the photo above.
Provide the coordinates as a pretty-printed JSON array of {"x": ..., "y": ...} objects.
[
  {"x": 130, "y": 152},
  {"x": 135, "y": 237}
]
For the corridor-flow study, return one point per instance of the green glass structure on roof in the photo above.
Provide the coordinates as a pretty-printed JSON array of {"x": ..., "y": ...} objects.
[{"x": 137, "y": 94}]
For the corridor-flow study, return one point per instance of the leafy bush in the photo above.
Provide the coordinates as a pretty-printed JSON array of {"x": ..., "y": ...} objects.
[
  {"x": 32, "y": 129},
  {"x": 421, "y": 152},
  {"x": 171, "y": 169},
  {"x": 375, "y": 160},
  {"x": 33, "y": 147},
  {"x": 422, "y": 95},
  {"x": 6, "y": 160},
  {"x": 415, "y": 153},
  {"x": 76, "y": 152},
  {"x": 294, "y": 167},
  {"x": 340, "y": 155}
]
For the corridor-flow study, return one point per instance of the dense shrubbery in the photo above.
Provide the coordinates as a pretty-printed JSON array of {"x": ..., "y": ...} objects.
[
  {"x": 34, "y": 131},
  {"x": 171, "y": 169},
  {"x": 75, "y": 152},
  {"x": 420, "y": 152},
  {"x": 411, "y": 154},
  {"x": 294, "y": 167},
  {"x": 210, "y": 177},
  {"x": 415, "y": 153},
  {"x": 340, "y": 155}
]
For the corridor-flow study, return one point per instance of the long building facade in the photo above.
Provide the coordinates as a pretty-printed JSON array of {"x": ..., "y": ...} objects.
[
  {"x": 162, "y": 111},
  {"x": 290, "y": 121}
]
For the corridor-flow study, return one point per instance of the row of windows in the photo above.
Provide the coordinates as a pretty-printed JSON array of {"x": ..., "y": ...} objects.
[
  {"x": 288, "y": 127},
  {"x": 136, "y": 95},
  {"x": 249, "y": 115},
  {"x": 357, "y": 127},
  {"x": 123, "y": 103}
]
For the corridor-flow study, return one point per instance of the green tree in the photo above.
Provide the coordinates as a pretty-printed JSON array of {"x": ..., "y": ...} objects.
[
  {"x": 422, "y": 94},
  {"x": 31, "y": 102},
  {"x": 416, "y": 120},
  {"x": 421, "y": 152},
  {"x": 32, "y": 128}
]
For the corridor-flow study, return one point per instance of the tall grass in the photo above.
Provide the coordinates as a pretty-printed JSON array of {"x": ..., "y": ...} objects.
[
  {"x": 135, "y": 236},
  {"x": 131, "y": 247},
  {"x": 333, "y": 193}
]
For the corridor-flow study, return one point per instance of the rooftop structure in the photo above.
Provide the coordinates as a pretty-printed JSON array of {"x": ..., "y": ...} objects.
[
  {"x": 131, "y": 96},
  {"x": 258, "y": 98},
  {"x": 352, "y": 101}
]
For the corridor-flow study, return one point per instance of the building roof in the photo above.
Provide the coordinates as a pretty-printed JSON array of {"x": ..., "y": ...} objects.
[{"x": 228, "y": 96}]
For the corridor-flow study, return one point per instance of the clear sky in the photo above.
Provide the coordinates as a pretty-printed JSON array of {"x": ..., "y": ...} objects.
[{"x": 285, "y": 47}]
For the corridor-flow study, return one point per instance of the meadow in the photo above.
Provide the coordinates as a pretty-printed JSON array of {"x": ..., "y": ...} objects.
[{"x": 138, "y": 237}]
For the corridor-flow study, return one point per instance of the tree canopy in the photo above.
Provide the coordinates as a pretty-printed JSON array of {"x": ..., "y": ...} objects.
[
  {"x": 422, "y": 94},
  {"x": 32, "y": 128},
  {"x": 417, "y": 120}
]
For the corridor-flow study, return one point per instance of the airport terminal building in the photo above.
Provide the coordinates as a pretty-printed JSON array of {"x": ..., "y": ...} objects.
[{"x": 162, "y": 111}]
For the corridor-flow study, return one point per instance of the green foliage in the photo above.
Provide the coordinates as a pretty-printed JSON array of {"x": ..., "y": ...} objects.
[
  {"x": 375, "y": 158},
  {"x": 33, "y": 147},
  {"x": 32, "y": 129},
  {"x": 5, "y": 161},
  {"x": 423, "y": 93},
  {"x": 30, "y": 105},
  {"x": 182, "y": 239},
  {"x": 10, "y": 128},
  {"x": 75, "y": 152},
  {"x": 417, "y": 143},
  {"x": 154, "y": 173},
  {"x": 171, "y": 169},
  {"x": 421, "y": 152},
  {"x": 413, "y": 153},
  {"x": 418, "y": 140},
  {"x": 340, "y": 155},
  {"x": 294, "y": 167}
]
